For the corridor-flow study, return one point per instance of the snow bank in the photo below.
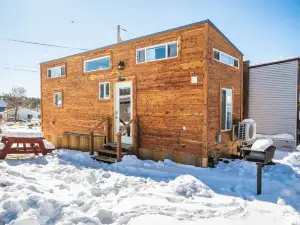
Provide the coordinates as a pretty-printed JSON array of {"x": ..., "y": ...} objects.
[
  {"x": 284, "y": 136},
  {"x": 293, "y": 159},
  {"x": 68, "y": 187}
]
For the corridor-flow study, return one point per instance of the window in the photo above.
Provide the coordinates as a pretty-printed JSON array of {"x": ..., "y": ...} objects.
[
  {"x": 226, "y": 59},
  {"x": 102, "y": 63},
  {"x": 104, "y": 90},
  {"x": 157, "y": 52},
  {"x": 58, "y": 71},
  {"x": 58, "y": 99},
  {"x": 226, "y": 109}
]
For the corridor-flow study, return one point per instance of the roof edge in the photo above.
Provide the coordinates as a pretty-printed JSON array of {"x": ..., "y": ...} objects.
[
  {"x": 275, "y": 62},
  {"x": 148, "y": 36}
]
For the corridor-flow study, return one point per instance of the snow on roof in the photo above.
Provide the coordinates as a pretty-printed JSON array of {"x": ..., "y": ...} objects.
[
  {"x": 275, "y": 62},
  {"x": 3, "y": 103}
]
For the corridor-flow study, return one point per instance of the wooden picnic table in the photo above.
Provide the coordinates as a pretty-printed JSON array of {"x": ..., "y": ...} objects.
[{"x": 13, "y": 143}]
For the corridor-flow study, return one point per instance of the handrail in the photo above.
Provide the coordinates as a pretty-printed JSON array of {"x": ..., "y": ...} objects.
[
  {"x": 91, "y": 134},
  {"x": 98, "y": 125},
  {"x": 119, "y": 138}
]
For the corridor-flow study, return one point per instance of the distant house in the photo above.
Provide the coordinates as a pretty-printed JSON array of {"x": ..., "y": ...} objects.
[
  {"x": 3, "y": 105},
  {"x": 272, "y": 99},
  {"x": 24, "y": 114}
]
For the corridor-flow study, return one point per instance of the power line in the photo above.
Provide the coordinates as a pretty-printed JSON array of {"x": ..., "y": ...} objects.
[
  {"x": 8, "y": 68},
  {"x": 37, "y": 43},
  {"x": 16, "y": 65}
]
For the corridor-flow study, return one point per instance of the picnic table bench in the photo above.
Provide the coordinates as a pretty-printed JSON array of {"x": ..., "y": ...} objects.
[{"x": 24, "y": 141}]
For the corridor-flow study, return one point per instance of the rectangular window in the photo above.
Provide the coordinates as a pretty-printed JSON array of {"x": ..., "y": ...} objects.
[
  {"x": 58, "y": 99},
  {"x": 58, "y": 71},
  {"x": 104, "y": 91},
  {"x": 102, "y": 63},
  {"x": 226, "y": 109},
  {"x": 157, "y": 52},
  {"x": 225, "y": 58}
]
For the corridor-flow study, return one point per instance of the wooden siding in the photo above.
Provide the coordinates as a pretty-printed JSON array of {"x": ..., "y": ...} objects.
[
  {"x": 177, "y": 119},
  {"x": 222, "y": 76},
  {"x": 165, "y": 99}
]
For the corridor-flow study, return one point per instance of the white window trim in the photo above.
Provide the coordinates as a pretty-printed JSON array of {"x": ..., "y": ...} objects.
[
  {"x": 54, "y": 68},
  {"x": 60, "y": 93},
  {"x": 90, "y": 60},
  {"x": 226, "y": 111},
  {"x": 214, "y": 49},
  {"x": 153, "y": 46},
  {"x": 105, "y": 98}
]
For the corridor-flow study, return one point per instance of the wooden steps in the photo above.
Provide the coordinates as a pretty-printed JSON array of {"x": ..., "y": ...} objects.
[{"x": 109, "y": 152}]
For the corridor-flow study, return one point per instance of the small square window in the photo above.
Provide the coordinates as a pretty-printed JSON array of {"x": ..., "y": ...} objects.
[
  {"x": 172, "y": 50},
  {"x": 58, "y": 71},
  {"x": 236, "y": 63},
  {"x": 58, "y": 99},
  {"x": 141, "y": 56},
  {"x": 216, "y": 55},
  {"x": 104, "y": 91}
]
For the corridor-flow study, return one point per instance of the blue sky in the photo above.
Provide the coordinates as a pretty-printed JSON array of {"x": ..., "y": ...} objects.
[{"x": 263, "y": 30}]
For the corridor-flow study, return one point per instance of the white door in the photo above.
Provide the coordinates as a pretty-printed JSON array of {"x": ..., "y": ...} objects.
[{"x": 123, "y": 110}]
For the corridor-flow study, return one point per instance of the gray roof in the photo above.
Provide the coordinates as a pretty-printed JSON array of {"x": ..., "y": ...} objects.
[
  {"x": 151, "y": 35},
  {"x": 275, "y": 62},
  {"x": 3, "y": 103}
]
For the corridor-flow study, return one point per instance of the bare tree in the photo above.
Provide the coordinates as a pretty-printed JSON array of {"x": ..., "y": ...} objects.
[{"x": 15, "y": 99}]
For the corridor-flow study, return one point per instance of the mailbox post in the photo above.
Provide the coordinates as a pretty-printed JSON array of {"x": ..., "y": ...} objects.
[{"x": 259, "y": 177}]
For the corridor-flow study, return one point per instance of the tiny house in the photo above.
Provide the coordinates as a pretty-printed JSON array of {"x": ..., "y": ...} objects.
[
  {"x": 271, "y": 98},
  {"x": 173, "y": 95}
]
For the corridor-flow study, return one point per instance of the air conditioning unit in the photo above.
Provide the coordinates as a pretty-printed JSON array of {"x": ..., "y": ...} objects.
[{"x": 247, "y": 130}]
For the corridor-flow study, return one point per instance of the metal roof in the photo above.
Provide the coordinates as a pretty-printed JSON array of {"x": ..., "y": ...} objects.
[
  {"x": 3, "y": 103},
  {"x": 274, "y": 62},
  {"x": 148, "y": 36}
]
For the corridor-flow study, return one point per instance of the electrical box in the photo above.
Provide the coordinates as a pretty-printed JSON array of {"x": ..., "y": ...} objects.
[
  {"x": 219, "y": 138},
  {"x": 194, "y": 79}
]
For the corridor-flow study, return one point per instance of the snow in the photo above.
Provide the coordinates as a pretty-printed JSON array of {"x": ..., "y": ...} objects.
[
  {"x": 48, "y": 145},
  {"x": 284, "y": 136},
  {"x": 68, "y": 187},
  {"x": 249, "y": 121},
  {"x": 261, "y": 144},
  {"x": 23, "y": 132}
]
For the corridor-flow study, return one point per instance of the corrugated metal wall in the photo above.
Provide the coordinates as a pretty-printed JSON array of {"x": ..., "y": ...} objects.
[{"x": 272, "y": 98}]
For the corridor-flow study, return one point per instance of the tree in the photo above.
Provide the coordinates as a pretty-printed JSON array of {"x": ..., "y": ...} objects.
[{"x": 15, "y": 99}]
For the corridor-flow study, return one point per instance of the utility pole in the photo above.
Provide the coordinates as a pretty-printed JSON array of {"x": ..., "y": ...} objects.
[{"x": 119, "y": 33}]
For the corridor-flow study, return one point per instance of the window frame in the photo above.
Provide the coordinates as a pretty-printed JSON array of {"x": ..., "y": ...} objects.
[
  {"x": 153, "y": 46},
  {"x": 56, "y": 67},
  {"x": 91, "y": 60},
  {"x": 219, "y": 60},
  {"x": 226, "y": 110},
  {"x": 99, "y": 90},
  {"x": 61, "y": 94}
]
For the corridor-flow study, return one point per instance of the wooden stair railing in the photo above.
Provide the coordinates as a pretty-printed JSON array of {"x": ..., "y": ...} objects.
[
  {"x": 92, "y": 130},
  {"x": 119, "y": 136}
]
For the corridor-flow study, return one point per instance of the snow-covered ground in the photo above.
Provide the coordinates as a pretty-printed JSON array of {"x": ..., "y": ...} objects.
[{"x": 68, "y": 187}]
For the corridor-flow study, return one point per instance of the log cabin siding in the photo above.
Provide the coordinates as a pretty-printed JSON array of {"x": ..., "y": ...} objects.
[
  {"x": 166, "y": 101},
  {"x": 176, "y": 117}
]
